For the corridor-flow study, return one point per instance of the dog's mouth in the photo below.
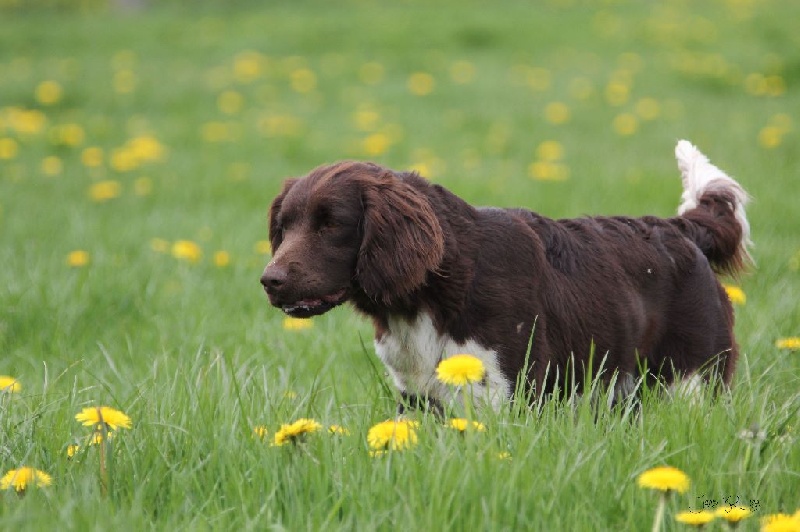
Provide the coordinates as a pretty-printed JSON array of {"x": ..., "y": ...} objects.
[{"x": 305, "y": 308}]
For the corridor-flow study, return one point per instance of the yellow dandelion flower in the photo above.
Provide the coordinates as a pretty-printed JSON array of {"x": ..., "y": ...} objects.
[
  {"x": 124, "y": 81},
  {"x": 420, "y": 83},
  {"x": 617, "y": 93},
  {"x": 770, "y": 137},
  {"x": 504, "y": 455},
  {"x": 734, "y": 514},
  {"x": 392, "y": 434},
  {"x": 303, "y": 80},
  {"x": 187, "y": 250},
  {"x": 105, "y": 190},
  {"x": 21, "y": 478},
  {"x": 92, "y": 157},
  {"x": 9, "y": 384},
  {"x": 77, "y": 258},
  {"x": 8, "y": 148},
  {"x": 145, "y": 148},
  {"x": 293, "y": 432},
  {"x": 297, "y": 324},
  {"x": 648, "y": 108},
  {"x": 697, "y": 519},
  {"x": 260, "y": 431},
  {"x": 735, "y": 294},
  {"x": 550, "y": 151},
  {"x": 221, "y": 259},
  {"x": 72, "y": 450},
  {"x": 95, "y": 415},
  {"x": 263, "y": 247},
  {"x": 52, "y": 166},
  {"x": 462, "y": 72},
  {"x": 459, "y": 370},
  {"x": 248, "y": 66},
  {"x": 376, "y": 144},
  {"x": 791, "y": 343},
  {"x": 664, "y": 479},
  {"x": 338, "y": 430},
  {"x": 70, "y": 134},
  {"x": 49, "y": 92},
  {"x": 780, "y": 523},
  {"x": 463, "y": 425},
  {"x": 557, "y": 113},
  {"x": 230, "y": 102},
  {"x": 625, "y": 124}
]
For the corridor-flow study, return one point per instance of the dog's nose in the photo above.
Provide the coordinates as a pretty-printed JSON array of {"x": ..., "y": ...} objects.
[{"x": 274, "y": 276}]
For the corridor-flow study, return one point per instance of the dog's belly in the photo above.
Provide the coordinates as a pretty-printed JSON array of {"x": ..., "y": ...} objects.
[{"x": 411, "y": 350}]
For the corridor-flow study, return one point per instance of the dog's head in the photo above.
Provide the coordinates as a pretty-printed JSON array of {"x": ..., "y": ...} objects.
[{"x": 349, "y": 228}]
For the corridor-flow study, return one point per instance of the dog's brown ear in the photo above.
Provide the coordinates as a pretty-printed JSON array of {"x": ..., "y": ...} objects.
[
  {"x": 402, "y": 242},
  {"x": 275, "y": 230}
]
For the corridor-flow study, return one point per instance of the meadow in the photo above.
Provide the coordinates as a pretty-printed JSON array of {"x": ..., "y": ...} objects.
[{"x": 139, "y": 152}]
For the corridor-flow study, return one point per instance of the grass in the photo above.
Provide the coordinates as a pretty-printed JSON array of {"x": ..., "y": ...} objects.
[{"x": 194, "y": 354}]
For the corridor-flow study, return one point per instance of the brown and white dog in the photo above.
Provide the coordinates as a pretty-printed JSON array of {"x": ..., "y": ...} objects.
[{"x": 520, "y": 291}]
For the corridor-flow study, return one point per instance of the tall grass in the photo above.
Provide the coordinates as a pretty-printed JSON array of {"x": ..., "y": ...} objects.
[{"x": 189, "y": 348}]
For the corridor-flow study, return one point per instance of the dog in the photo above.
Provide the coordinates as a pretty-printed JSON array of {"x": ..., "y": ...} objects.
[{"x": 541, "y": 302}]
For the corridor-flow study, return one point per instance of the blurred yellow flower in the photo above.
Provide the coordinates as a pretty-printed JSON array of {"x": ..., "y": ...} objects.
[
  {"x": 187, "y": 250},
  {"x": 21, "y": 478},
  {"x": 617, "y": 93},
  {"x": 770, "y": 137},
  {"x": 123, "y": 160},
  {"x": 557, "y": 113},
  {"x": 26, "y": 121},
  {"x": 263, "y": 247},
  {"x": 392, "y": 434},
  {"x": 420, "y": 83},
  {"x": 376, "y": 144},
  {"x": 69, "y": 134},
  {"x": 146, "y": 148},
  {"x": 52, "y": 166},
  {"x": 733, "y": 514},
  {"x": 697, "y": 519},
  {"x": 538, "y": 78},
  {"x": 72, "y": 450},
  {"x": 92, "y": 157},
  {"x": 297, "y": 324},
  {"x": 248, "y": 66},
  {"x": 550, "y": 151},
  {"x": 625, "y": 124},
  {"x": 548, "y": 171},
  {"x": 230, "y": 102},
  {"x": 791, "y": 343},
  {"x": 216, "y": 132},
  {"x": 8, "y": 148},
  {"x": 459, "y": 370},
  {"x": 221, "y": 259},
  {"x": 735, "y": 294},
  {"x": 462, "y": 72},
  {"x": 124, "y": 81},
  {"x": 780, "y": 523},
  {"x": 105, "y": 190},
  {"x": 338, "y": 430},
  {"x": 49, "y": 92},
  {"x": 9, "y": 384},
  {"x": 648, "y": 108},
  {"x": 366, "y": 119},
  {"x": 463, "y": 425},
  {"x": 665, "y": 478},
  {"x": 303, "y": 80},
  {"x": 77, "y": 258},
  {"x": 294, "y": 432},
  {"x": 504, "y": 455},
  {"x": 260, "y": 431},
  {"x": 95, "y": 415}
]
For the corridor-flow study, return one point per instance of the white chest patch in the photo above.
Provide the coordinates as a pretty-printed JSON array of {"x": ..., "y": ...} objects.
[{"x": 411, "y": 350}]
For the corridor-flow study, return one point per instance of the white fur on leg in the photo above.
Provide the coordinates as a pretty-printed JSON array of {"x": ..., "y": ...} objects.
[{"x": 700, "y": 176}]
